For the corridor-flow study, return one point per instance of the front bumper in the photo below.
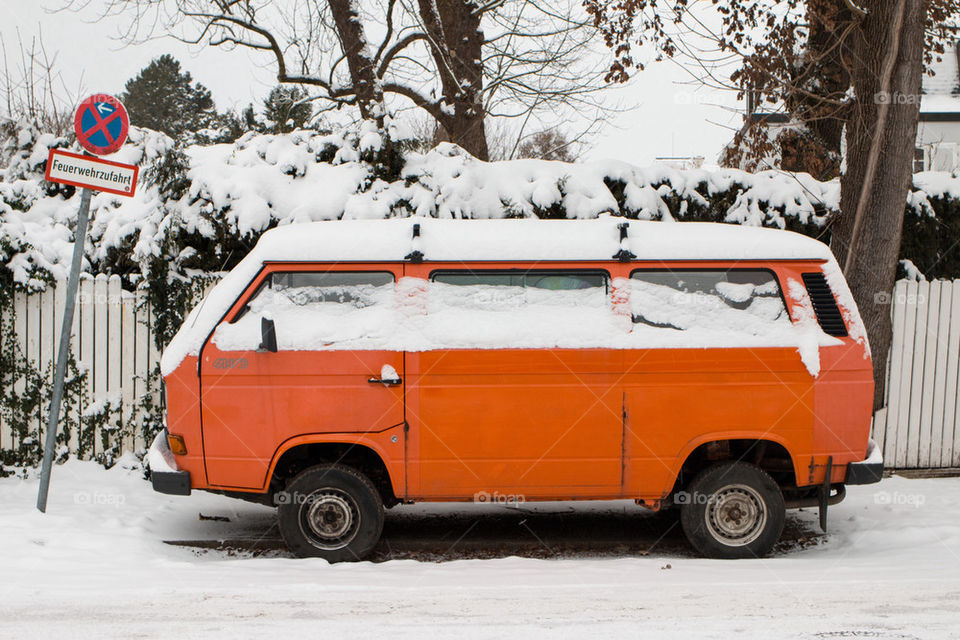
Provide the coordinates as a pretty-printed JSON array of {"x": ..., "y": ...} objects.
[
  {"x": 866, "y": 471},
  {"x": 164, "y": 475}
]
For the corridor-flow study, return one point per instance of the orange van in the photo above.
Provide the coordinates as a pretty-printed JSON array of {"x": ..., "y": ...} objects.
[{"x": 350, "y": 366}]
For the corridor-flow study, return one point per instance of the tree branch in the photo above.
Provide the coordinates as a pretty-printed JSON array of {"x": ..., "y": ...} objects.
[{"x": 399, "y": 46}]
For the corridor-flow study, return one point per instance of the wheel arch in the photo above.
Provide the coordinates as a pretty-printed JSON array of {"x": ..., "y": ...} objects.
[
  {"x": 769, "y": 452},
  {"x": 357, "y": 451}
]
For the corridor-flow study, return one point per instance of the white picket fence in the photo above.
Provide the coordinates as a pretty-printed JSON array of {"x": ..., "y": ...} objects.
[
  {"x": 111, "y": 340},
  {"x": 919, "y": 428}
]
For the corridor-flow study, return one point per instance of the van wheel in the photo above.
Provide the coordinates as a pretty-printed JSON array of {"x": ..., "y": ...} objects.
[
  {"x": 330, "y": 511},
  {"x": 733, "y": 510}
]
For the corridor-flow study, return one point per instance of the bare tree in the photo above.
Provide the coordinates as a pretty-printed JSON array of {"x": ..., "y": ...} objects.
[
  {"x": 460, "y": 61},
  {"x": 33, "y": 88}
]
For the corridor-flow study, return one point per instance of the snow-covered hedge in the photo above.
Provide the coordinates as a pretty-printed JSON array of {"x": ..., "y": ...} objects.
[{"x": 200, "y": 209}]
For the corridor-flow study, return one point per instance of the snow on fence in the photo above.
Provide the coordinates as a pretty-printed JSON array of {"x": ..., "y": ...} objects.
[{"x": 112, "y": 341}]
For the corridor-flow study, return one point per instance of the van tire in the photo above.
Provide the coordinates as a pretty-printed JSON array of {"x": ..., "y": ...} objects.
[
  {"x": 732, "y": 510},
  {"x": 330, "y": 511}
]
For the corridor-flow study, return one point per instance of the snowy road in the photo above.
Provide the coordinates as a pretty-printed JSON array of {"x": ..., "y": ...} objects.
[{"x": 96, "y": 565}]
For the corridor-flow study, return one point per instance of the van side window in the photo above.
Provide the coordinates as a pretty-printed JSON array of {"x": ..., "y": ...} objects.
[
  {"x": 550, "y": 280},
  {"x": 511, "y": 291},
  {"x": 743, "y": 300}
]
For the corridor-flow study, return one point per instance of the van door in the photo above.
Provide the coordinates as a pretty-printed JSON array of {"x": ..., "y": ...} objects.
[
  {"x": 327, "y": 376},
  {"x": 498, "y": 422}
]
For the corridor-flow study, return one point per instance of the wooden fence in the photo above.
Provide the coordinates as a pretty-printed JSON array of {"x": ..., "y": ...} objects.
[
  {"x": 920, "y": 426},
  {"x": 112, "y": 341}
]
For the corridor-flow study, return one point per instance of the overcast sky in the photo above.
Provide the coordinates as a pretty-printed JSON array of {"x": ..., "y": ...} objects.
[{"x": 670, "y": 118}]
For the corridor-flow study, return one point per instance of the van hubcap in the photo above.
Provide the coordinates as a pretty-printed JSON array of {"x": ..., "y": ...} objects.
[
  {"x": 330, "y": 518},
  {"x": 736, "y": 515}
]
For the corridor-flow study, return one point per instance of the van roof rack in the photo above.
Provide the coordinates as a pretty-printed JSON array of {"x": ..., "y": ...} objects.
[
  {"x": 415, "y": 256},
  {"x": 624, "y": 254}
]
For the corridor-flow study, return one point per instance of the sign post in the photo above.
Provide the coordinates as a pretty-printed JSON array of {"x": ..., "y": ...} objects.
[{"x": 101, "y": 125}]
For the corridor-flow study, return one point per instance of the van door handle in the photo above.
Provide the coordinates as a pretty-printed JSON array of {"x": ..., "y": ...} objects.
[{"x": 387, "y": 382}]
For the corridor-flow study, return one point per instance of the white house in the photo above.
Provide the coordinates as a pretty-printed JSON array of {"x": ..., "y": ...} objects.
[{"x": 938, "y": 133}]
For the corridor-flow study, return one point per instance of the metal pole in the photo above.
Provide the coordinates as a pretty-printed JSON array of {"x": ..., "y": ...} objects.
[{"x": 61, "y": 370}]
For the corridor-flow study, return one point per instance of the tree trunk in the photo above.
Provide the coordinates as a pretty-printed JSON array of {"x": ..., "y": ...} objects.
[
  {"x": 879, "y": 161},
  {"x": 363, "y": 73},
  {"x": 455, "y": 44}
]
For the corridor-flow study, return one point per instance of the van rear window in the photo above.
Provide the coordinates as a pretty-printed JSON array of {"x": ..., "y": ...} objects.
[{"x": 738, "y": 300}]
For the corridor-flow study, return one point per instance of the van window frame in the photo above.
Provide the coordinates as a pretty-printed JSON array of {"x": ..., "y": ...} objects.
[
  {"x": 604, "y": 273},
  {"x": 776, "y": 278}
]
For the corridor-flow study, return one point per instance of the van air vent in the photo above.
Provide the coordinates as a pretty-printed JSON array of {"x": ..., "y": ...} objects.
[{"x": 824, "y": 304}]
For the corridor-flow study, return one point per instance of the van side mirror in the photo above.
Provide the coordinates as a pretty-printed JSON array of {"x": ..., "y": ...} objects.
[{"x": 268, "y": 335}]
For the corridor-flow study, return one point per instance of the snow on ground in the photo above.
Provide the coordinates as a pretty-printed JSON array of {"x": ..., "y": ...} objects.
[{"x": 96, "y": 565}]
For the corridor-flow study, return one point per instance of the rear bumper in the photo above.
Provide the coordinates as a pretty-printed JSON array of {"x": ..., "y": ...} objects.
[
  {"x": 164, "y": 475},
  {"x": 866, "y": 471}
]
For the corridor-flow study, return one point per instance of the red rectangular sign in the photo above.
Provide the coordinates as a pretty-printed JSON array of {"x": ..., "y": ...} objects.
[{"x": 90, "y": 172}]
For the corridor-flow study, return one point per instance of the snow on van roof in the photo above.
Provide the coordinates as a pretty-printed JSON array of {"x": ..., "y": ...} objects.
[
  {"x": 530, "y": 239},
  {"x": 477, "y": 240}
]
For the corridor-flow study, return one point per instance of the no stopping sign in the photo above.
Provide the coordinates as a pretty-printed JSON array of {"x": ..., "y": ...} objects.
[{"x": 101, "y": 124}]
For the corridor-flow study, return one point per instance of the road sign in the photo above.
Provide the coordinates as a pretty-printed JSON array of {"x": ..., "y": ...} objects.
[
  {"x": 92, "y": 173},
  {"x": 101, "y": 124}
]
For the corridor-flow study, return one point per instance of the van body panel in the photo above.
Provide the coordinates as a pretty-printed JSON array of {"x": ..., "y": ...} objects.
[
  {"x": 288, "y": 394},
  {"x": 843, "y": 391},
  {"x": 677, "y": 399},
  {"x": 843, "y": 404},
  {"x": 537, "y": 423}
]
